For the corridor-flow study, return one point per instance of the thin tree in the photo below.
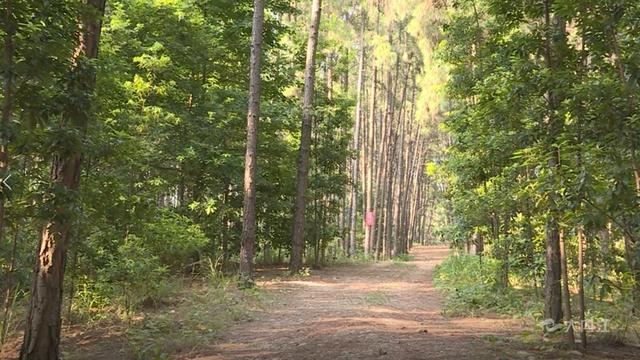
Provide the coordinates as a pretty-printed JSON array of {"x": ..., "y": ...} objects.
[
  {"x": 253, "y": 116},
  {"x": 302, "y": 176},
  {"x": 42, "y": 327},
  {"x": 369, "y": 226},
  {"x": 353, "y": 212}
]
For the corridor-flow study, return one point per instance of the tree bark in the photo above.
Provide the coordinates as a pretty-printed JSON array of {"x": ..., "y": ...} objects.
[
  {"x": 302, "y": 176},
  {"x": 253, "y": 116},
  {"x": 555, "y": 29},
  {"x": 42, "y": 328}
]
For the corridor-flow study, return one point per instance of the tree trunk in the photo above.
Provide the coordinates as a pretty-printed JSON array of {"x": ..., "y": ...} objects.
[
  {"x": 353, "y": 212},
  {"x": 42, "y": 328},
  {"x": 369, "y": 228},
  {"x": 553, "y": 298},
  {"x": 581, "y": 305},
  {"x": 253, "y": 116},
  {"x": 302, "y": 176},
  {"x": 566, "y": 295}
]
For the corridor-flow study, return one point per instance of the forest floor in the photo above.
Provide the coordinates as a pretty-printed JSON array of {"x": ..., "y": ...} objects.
[{"x": 386, "y": 310}]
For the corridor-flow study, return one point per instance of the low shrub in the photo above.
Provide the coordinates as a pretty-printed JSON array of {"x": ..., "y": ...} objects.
[{"x": 470, "y": 288}]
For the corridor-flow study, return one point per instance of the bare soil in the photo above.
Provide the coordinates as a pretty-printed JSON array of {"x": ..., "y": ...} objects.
[{"x": 386, "y": 310}]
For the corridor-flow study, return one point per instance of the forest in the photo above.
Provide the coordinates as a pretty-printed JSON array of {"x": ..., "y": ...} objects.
[{"x": 352, "y": 179}]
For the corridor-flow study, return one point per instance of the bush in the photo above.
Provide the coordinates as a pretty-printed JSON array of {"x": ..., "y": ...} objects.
[
  {"x": 174, "y": 239},
  {"x": 470, "y": 287},
  {"x": 133, "y": 271}
]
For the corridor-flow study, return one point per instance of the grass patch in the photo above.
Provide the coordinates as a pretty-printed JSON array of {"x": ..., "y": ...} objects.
[
  {"x": 403, "y": 265},
  {"x": 194, "y": 321},
  {"x": 403, "y": 258}
]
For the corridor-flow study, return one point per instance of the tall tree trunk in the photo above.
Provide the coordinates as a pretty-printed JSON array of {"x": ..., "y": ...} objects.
[
  {"x": 384, "y": 168},
  {"x": 42, "y": 327},
  {"x": 370, "y": 210},
  {"x": 353, "y": 212},
  {"x": 401, "y": 169},
  {"x": 552, "y": 287},
  {"x": 371, "y": 193},
  {"x": 253, "y": 116},
  {"x": 302, "y": 176}
]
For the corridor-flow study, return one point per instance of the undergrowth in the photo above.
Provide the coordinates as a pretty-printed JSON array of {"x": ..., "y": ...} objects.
[
  {"x": 193, "y": 322},
  {"x": 180, "y": 316},
  {"x": 470, "y": 289}
]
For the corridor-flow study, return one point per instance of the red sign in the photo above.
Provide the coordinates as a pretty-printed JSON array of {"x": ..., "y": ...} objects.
[{"x": 370, "y": 219}]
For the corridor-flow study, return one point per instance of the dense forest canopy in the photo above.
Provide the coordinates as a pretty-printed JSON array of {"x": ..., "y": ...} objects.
[{"x": 144, "y": 141}]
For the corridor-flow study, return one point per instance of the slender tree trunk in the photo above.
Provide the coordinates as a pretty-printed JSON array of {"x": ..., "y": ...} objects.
[
  {"x": 356, "y": 148},
  {"x": 370, "y": 210},
  {"x": 381, "y": 197},
  {"x": 566, "y": 295},
  {"x": 226, "y": 224},
  {"x": 253, "y": 116},
  {"x": 42, "y": 327},
  {"x": 581, "y": 305},
  {"x": 302, "y": 176}
]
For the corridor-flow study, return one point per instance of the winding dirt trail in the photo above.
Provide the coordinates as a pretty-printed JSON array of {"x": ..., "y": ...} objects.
[{"x": 387, "y": 310}]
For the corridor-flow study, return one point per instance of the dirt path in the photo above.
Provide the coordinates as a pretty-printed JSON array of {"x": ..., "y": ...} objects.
[{"x": 388, "y": 310}]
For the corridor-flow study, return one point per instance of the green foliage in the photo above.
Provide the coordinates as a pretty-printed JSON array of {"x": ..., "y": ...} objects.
[
  {"x": 471, "y": 288},
  {"x": 517, "y": 100},
  {"x": 174, "y": 239}
]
